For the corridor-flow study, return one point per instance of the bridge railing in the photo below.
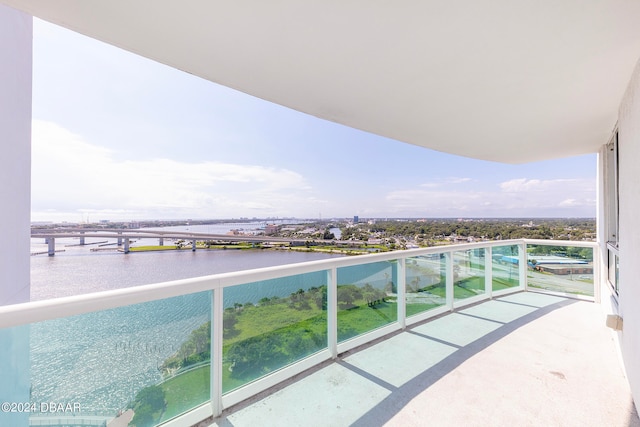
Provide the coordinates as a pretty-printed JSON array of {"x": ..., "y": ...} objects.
[{"x": 179, "y": 352}]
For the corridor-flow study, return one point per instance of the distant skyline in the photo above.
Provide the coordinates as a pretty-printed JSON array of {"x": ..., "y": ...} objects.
[{"x": 119, "y": 137}]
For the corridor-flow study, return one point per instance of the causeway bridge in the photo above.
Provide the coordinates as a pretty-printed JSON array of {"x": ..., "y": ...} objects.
[{"x": 124, "y": 237}]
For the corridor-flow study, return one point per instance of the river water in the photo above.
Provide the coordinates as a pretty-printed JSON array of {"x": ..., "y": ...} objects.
[
  {"x": 100, "y": 360},
  {"x": 77, "y": 269}
]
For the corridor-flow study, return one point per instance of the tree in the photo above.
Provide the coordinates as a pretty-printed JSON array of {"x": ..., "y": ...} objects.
[
  {"x": 328, "y": 235},
  {"x": 148, "y": 406},
  {"x": 345, "y": 296}
]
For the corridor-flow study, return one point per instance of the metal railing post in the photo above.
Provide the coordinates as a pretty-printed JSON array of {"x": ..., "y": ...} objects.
[
  {"x": 488, "y": 272},
  {"x": 332, "y": 311},
  {"x": 449, "y": 279},
  {"x": 217, "y": 331},
  {"x": 522, "y": 264},
  {"x": 401, "y": 293}
]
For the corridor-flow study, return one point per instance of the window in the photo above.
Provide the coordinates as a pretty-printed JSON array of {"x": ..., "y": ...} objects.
[{"x": 612, "y": 210}]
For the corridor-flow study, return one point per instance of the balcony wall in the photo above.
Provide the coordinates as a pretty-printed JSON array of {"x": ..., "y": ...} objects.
[
  {"x": 212, "y": 342},
  {"x": 629, "y": 199}
]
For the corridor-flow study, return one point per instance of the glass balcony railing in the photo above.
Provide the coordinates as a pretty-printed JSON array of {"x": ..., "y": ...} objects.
[
  {"x": 366, "y": 298},
  {"x": 425, "y": 283},
  {"x": 278, "y": 322},
  {"x": 561, "y": 268},
  {"x": 159, "y": 353},
  {"x": 504, "y": 267},
  {"x": 469, "y": 278}
]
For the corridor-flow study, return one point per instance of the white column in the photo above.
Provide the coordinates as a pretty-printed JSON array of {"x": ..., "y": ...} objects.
[{"x": 16, "y": 34}]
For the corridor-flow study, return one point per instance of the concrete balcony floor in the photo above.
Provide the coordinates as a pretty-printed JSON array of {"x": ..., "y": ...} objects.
[{"x": 526, "y": 359}]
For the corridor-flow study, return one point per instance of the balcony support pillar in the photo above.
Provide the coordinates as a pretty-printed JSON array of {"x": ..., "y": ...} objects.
[{"x": 16, "y": 37}]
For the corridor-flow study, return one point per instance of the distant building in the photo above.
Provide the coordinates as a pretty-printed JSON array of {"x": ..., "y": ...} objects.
[
  {"x": 551, "y": 264},
  {"x": 355, "y": 219},
  {"x": 565, "y": 269},
  {"x": 270, "y": 229}
]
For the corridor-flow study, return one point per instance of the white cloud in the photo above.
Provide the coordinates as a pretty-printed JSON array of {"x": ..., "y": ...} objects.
[
  {"x": 513, "y": 198},
  {"x": 524, "y": 185},
  {"x": 445, "y": 181},
  {"x": 73, "y": 177}
]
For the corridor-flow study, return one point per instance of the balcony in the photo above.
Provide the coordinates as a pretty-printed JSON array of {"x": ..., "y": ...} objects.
[{"x": 438, "y": 332}]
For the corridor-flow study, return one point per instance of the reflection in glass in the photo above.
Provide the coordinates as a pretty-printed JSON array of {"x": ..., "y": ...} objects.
[
  {"x": 270, "y": 324},
  {"x": 468, "y": 273},
  {"x": 566, "y": 269},
  {"x": 367, "y": 298},
  {"x": 150, "y": 358},
  {"x": 425, "y": 283},
  {"x": 505, "y": 267}
]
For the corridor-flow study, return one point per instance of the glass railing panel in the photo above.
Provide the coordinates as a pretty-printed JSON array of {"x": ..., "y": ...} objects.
[
  {"x": 505, "y": 269},
  {"x": 425, "y": 283},
  {"x": 149, "y": 361},
  {"x": 367, "y": 298},
  {"x": 15, "y": 378},
  {"x": 567, "y": 269},
  {"x": 468, "y": 273},
  {"x": 270, "y": 324}
]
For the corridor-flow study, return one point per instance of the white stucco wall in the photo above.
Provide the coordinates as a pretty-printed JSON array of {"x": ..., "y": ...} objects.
[
  {"x": 16, "y": 34},
  {"x": 629, "y": 301}
]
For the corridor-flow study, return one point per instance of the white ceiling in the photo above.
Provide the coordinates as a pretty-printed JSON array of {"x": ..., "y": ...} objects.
[{"x": 504, "y": 80}]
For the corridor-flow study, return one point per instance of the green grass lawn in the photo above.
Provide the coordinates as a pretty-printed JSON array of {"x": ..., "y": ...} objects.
[
  {"x": 186, "y": 391},
  {"x": 459, "y": 292},
  {"x": 362, "y": 318},
  {"x": 500, "y": 283},
  {"x": 269, "y": 336},
  {"x": 151, "y": 248},
  {"x": 413, "y": 309},
  {"x": 257, "y": 320}
]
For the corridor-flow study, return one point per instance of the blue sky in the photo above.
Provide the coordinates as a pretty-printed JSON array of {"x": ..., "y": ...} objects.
[{"x": 120, "y": 137}]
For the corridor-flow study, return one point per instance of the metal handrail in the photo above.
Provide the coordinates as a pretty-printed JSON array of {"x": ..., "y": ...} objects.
[{"x": 37, "y": 311}]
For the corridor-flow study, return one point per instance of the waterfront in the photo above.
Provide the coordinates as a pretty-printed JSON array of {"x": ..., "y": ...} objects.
[
  {"x": 77, "y": 270},
  {"x": 117, "y": 352}
]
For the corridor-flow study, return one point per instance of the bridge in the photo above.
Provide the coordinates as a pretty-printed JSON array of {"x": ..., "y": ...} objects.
[{"x": 124, "y": 236}]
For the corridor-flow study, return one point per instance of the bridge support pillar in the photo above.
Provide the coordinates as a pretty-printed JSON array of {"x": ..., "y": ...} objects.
[
  {"x": 161, "y": 241},
  {"x": 52, "y": 246},
  {"x": 193, "y": 245},
  {"x": 82, "y": 239},
  {"x": 126, "y": 245},
  {"x": 119, "y": 239}
]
